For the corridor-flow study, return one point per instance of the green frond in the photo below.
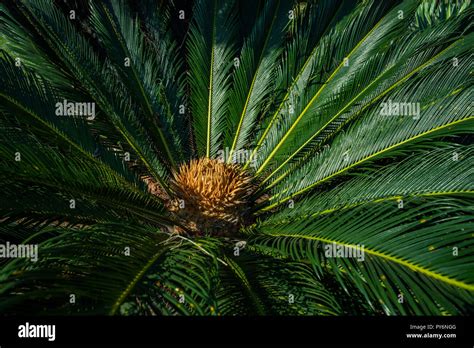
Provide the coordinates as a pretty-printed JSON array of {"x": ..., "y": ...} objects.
[
  {"x": 310, "y": 23},
  {"x": 184, "y": 283},
  {"x": 450, "y": 174},
  {"x": 253, "y": 76},
  {"x": 210, "y": 56},
  {"x": 23, "y": 45},
  {"x": 238, "y": 287},
  {"x": 351, "y": 120},
  {"x": 92, "y": 264},
  {"x": 77, "y": 53},
  {"x": 376, "y": 135},
  {"x": 50, "y": 179},
  {"x": 430, "y": 13},
  {"x": 141, "y": 68},
  {"x": 380, "y": 74},
  {"x": 282, "y": 288},
  {"x": 331, "y": 53},
  {"x": 398, "y": 247}
]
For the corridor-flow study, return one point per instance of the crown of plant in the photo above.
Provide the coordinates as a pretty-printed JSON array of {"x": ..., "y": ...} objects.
[
  {"x": 212, "y": 196},
  {"x": 237, "y": 157}
]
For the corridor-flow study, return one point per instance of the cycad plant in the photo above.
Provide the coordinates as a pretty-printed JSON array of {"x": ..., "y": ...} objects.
[{"x": 236, "y": 157}]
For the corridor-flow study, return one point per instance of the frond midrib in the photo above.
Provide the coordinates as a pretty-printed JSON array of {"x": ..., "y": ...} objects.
[{"x": 211, "y": 84}]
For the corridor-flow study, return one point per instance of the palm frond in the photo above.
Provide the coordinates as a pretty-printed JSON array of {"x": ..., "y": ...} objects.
[
  {"x": 325, "y": 64},
  {"x": 450, "y": 174},
  {"x": 22, "y": 44},
  {"x": 184, "y": 283},
  {"x": 210, "y": 57},
  {"x": 140, "y": 67},
  {"x": 375, "y": 136},
  {"x": 95, "y": 77},
  {"x": 380, "y": 74},
  {"x": 98, "y": 267},
  {"x": 50, "y": 180},
  {"x": 430, "y": 13},
  {"x": 355, "y": 116},
  {"x": 399, "y": 247},
  {"x": 274, "y": 287},
  {"x": 253, "y": 77}
]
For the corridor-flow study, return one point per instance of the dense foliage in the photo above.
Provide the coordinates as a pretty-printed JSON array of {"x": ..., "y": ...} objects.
[{"x": 353, "y": 118}]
